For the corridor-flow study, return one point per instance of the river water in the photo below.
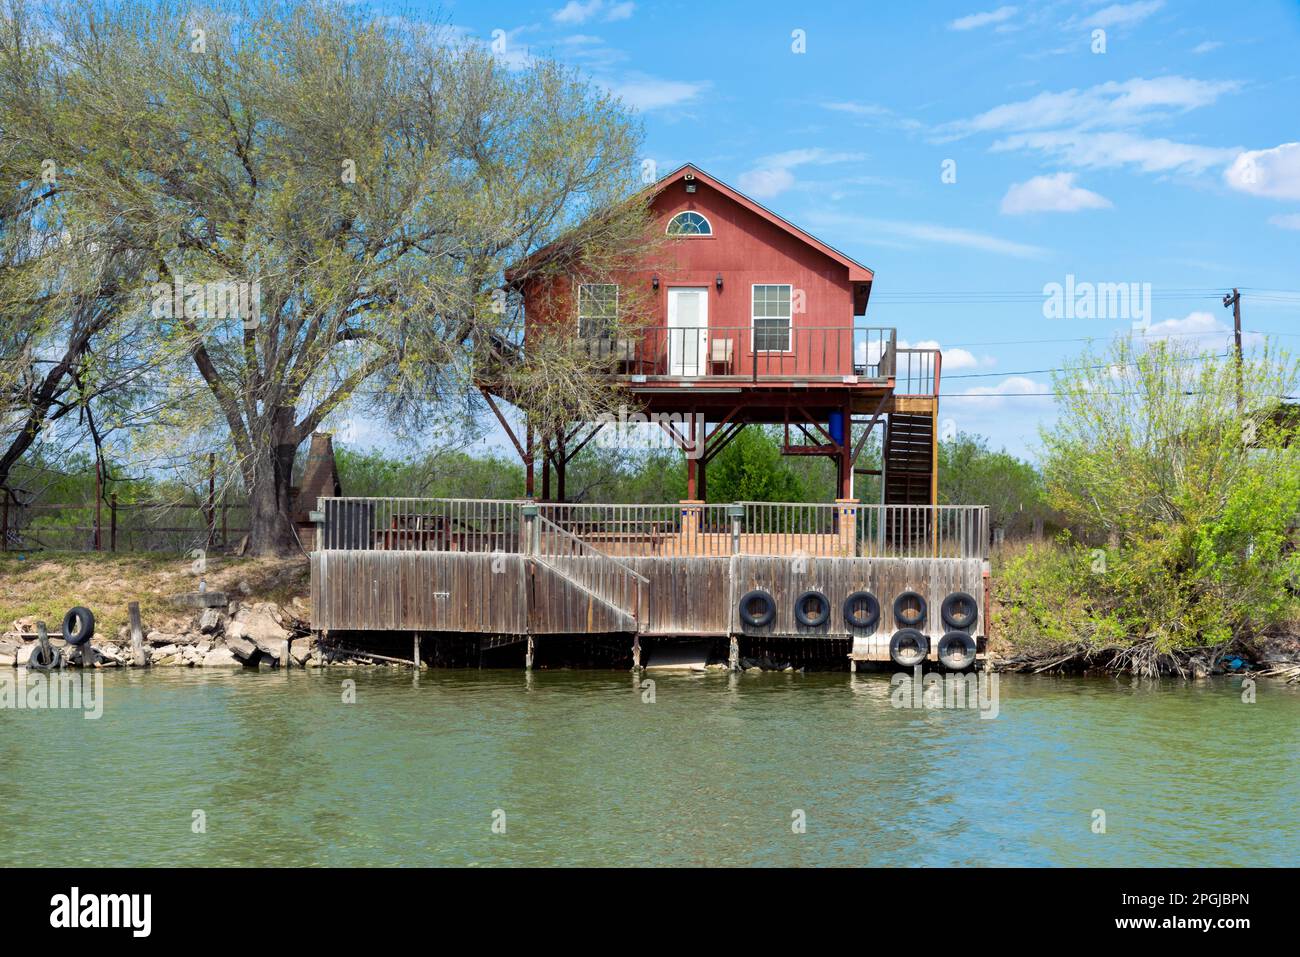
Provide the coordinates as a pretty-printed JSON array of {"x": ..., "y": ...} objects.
[{"x": 187, "y": 767}]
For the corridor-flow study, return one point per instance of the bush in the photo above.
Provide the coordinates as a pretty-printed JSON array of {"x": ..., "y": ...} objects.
[{"x": 1182, "y": 499}]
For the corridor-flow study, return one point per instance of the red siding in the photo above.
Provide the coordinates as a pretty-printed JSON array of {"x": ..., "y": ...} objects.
[{"x": 747, "y": 249}]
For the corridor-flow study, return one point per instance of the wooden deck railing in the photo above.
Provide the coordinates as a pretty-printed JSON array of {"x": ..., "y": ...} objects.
[
  {"x": 587, "y": 566},
  {"x": 649, "y": 531},
  {"x": 421, "y": 524}
]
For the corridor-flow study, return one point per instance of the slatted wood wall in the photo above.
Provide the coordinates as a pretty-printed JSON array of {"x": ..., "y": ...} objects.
[
  {"x": 495, "y": 594},
  {"x": 419, "y": 591}
]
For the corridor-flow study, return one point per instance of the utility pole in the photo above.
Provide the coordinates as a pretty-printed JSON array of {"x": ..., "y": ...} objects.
[{"x": 1235, "y": 302}]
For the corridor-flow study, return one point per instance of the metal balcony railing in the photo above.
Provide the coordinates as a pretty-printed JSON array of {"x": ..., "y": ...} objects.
[{"x": 757, "y": 352}]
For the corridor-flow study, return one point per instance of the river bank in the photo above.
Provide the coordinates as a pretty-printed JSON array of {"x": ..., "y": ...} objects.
[{"x": 262, "y": 620}]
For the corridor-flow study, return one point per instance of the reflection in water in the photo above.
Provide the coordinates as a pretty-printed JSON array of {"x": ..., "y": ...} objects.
[{"x": 593, "y": 768}]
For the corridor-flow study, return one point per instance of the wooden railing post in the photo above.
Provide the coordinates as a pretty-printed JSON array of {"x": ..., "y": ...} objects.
[
  {"x": 531, "y": 531},
  {"x": 737, "y": 514}
]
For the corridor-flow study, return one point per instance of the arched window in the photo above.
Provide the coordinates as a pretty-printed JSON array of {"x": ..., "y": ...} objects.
[{"x": 689, "y": 224}]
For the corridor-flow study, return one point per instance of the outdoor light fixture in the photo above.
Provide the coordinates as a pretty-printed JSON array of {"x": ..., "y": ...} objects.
[
  {"x": 690, "y": 182},
  {"x": 717, "y": 282},
  {"x": 654, "y": 282}
]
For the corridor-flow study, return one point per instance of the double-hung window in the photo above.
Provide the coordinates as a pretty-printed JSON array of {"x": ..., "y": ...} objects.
[
  {"x": 597, "y": 309},
  {"x": 771, "y": 317}
]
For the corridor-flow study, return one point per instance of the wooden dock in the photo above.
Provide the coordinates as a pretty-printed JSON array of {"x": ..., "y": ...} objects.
[{"x": 675, "y": 571}]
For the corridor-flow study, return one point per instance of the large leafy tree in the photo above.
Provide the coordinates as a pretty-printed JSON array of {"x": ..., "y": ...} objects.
[
  {"x": 366, "y": 181},
  {"x": 66, "y": 280}
]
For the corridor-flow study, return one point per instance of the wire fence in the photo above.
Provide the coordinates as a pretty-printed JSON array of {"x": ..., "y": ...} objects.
[{"x": 111, "y": 526}]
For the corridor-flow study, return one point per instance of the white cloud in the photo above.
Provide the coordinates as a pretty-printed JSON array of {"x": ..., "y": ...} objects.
[
  {"x": 1206, "y": 47},
  {"x": 1274, "y": 173},
  {"x": 1289, "y": 221},
  {"x": 1109, "y": 104},
  {"x": 766, "y": 183},
  {"x": 983, "y": 399},
  {"x": 975, "y": 20},
  {"x": 882, "y": 115},
  {"x": 1051, "y": 194},
  {"x": 1122, "y": 14},
  {"x": 577, "y": 12},
  {"x": 1108, "y": 150},
  {"x": 953, "y": 358},
  {"x": 772, "y": 174},
  {"x": 652, "y": 93},
  {"x": 955, "y": 236},
  {"x": 1201, "y": 330},
  {"x": 857, "y": 109}
]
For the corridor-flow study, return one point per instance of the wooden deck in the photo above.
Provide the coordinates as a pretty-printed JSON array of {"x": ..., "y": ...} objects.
[{"x": 689, "y": 584}]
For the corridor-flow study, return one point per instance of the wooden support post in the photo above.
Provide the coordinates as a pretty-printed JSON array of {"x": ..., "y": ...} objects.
[
  {"x": 112, "y": 522},
  {"x": 529, "y": 482},
  {"x": 99, "y": 493},
  {"x": 692, "y": 464},
  {"x": 42, "y": 644},
  {"x": 137, "y": 635},
  {"x": 733, "y": 654},
  {"x": 561, "y": 461},
  {"x": 528, "y": 655},
  {"x": 4, "y": 520},
  {"x": 636, "y": 651},
  {"x": 212, "y": 499},
  {"x": 415, "y": 651}
]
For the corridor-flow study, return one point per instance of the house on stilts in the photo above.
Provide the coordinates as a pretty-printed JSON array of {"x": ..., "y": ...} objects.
[{"x": 754, "y": 322}]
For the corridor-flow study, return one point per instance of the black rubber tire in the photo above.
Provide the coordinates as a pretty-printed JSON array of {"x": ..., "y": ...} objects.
[
  {"x": 39, "y": 663},
  {"x": 823, "y": 613},
  {"x": 82, "y": 617},
  {"x": 873, "y": 610},
  {"x": 955, "y": 641},
  {"x": 769, "y": 612},
  {"x": 908, "y": 659},
  {"x": 918, "y": 617},
  {"x": 959, "y": 621}
]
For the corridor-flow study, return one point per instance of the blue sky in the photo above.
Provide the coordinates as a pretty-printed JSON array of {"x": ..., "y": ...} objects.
[{"x": 1170, "y": 157}]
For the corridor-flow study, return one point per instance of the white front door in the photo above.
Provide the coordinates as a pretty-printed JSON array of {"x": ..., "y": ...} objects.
[{"x": 688, "y": 331}]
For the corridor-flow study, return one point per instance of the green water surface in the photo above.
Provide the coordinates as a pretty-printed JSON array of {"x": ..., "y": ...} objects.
[{"x": 584, "y": 770}]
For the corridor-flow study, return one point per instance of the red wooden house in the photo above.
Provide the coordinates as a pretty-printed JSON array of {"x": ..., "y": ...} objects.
[{"x": 752, "y": 321}]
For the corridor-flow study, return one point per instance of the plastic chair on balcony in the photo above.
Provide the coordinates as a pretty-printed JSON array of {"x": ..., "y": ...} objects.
[{"x": 720, "y": 355}]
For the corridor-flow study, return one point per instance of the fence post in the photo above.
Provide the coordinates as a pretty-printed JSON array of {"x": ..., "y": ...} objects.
[
  {"x": 137, "y": 635},
  {"x": 212, "y": 499},
  {"x": 4, "y": 520},
  {"x": 529, "y": 513},
  {"x": 737, "y": 515},
  {"x": 112, "y": 522},
  {"x": 99, "y": 507}
]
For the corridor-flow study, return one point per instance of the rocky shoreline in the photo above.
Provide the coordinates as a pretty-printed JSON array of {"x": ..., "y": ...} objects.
[{"x": 223, "y": 633}]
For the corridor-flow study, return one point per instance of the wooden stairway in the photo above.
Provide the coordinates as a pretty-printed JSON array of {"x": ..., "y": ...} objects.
[
  {"x": 909, "y": 473},
  {"x": 909, "y": 458}
]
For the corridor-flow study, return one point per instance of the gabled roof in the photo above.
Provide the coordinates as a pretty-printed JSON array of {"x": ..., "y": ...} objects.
[{"x": 857, "y": 271}]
